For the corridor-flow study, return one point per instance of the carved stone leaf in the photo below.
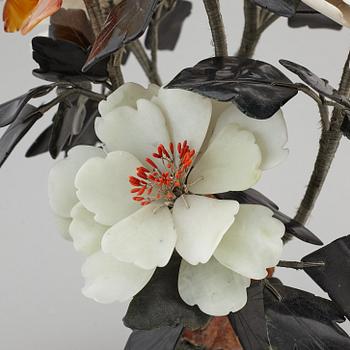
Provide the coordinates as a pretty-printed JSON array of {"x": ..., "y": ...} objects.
[
  {"x": 320, "y": 85},
  {"x": 41, "y": 144},
  {"x": 164, "y": 338},
  {"x": 293, "y": 227},
  {"x": 249, "y": 322},
  {"x": 10, "y": 110},
  {"x": 126, "y": 22},
  {"x": 250, "y": 84},
  {"x": 171, "y": 25},
  {"x": 306, "y": 16},
  {"x": 16, "y": 131},
  {"x": 303, "y": 321},
  {"x": 159, "y": 303},
  {"x": 286, "y": 8},
  {"x": 61, "y": 60},
  {"x": 334, "y": 277},
  {"x": 71, "y": 25}
]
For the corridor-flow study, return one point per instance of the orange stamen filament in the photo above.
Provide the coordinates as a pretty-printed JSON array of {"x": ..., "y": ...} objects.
[{"x": 159, "y": 182}]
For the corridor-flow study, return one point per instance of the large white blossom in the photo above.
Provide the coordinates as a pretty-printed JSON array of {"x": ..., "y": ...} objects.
[
  {"x": 149, "y": 191},
  {"x": 337, "y": 10}
]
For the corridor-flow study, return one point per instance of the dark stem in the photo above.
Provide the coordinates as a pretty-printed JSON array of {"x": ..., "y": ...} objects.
[
  {"x": 257, "y": 20},
  {"x": 114, "y": 70},
  {"x": 299, "y": 265},
  {"x": 138, "y": 50},
  {"x": 217, "y": 27},
  {"x": 329, "y": 143},
  {"x": 95, "y": 14}
]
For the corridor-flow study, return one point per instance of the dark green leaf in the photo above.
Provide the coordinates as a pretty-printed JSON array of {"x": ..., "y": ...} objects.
[
  {"x": 249, "y": 323},
  {"x": 159, "y": 303},
  {"x": 164, "y": 338},
  {"x": 303, "y": 321},
  {"x": 334, "y": 276},
  {"x": 15, "y": 132},
  {"x": 284, "y": 8},
  {"x": 320, "y": 85},
  {"x": 126, "y": 22},
  {"x": 248, "y": 83}
]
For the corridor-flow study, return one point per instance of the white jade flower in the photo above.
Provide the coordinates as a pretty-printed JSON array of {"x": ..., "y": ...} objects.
[
  {"x": 337, "y": 10},
  {"x": 149, "y": 191}
]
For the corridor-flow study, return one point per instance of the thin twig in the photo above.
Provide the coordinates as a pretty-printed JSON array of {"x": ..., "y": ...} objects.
[
  {"x": 95, "y": 14},
  {"x": 329, "y": 143},
  {"x": 257, "y": 20},
  {"x": 217, "y": 27},
  {"x": 114, "y": 70},
  {"x": 138, "y": 50},
  {"x": 299, "y": 265}
]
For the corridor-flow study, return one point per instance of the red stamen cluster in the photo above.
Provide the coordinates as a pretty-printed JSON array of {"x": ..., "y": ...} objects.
[{"x": 155, "y": 184}]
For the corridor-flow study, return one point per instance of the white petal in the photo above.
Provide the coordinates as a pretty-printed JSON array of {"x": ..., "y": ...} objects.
[
  {"x": 270, "y": 134},
  {"x": 338, "y": 11},
  {"x": 231, "y": 163},
  {"x": 187, "y": 115},
  {"x": 62, "y": 193},
  {"x": 138, "y": 132},
  {"x": 201, "y": 226},
  {"x": 85, "y": 231},
  {"x": 63, "y": 226},
  {"x": 146, "y": 238},
  {"x": 104, "y": 189},
  {"x": 108, "y": 280},
  {"x": 214, "y": 288},
  {"x": 126, "y": 95},
  {"x": 253, "y": 243}
]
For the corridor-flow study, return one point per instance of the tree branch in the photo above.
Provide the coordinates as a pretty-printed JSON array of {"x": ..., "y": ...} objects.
[
  {"x": 329, "y": 143},
  {"x": 217, "y": 26},
  {"x": 138, "y": 50},
  {"x": 257, "y": 20}
]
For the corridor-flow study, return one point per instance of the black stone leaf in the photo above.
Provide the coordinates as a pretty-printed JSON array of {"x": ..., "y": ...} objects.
[
  {"x": 293, "y": 227},
  {"x": 334, "y": 276},
  {"x": 249, "y": 83},
  {"x": 72, "y": 126},
  {"x": 302, "y": 321},
  {"x": 71, "y": 25},
  {"x": 249, "y": 323},
  {"x": 297, "y": 230},
  {"x": 41, "y": 144},
  {"x": 15, "y": 132},
  {"x": 10, "y": 110},
  {"x": 67, "y": 122},
  {"x": 126, "y": 22},
  {"x": 61, "y": 60},
  {"x": 320, "y": 85},
  {"x": 286, "y": 8},
  {"x": 249, "y": 196},
  {"x": 170, "y": 27},
  {"x": 160, "y": 305},
  {"x": 307, "y": 16},
  {"x": 164, "y": 338}
]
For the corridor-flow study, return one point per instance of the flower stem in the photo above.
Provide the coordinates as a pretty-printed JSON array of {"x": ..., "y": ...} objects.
[
  {"x": 257, "y": 20},
  {"x": 329, "y": 143},
  {"x": 217, "y": 27},
  {"x": 139, "y": 52}
]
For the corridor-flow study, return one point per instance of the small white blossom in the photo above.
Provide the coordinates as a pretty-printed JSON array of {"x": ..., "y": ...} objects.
[{"x": 150, "y": 191}]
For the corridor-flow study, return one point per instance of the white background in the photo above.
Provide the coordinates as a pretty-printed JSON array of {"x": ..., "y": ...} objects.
[{"x": 41, "y": 306}]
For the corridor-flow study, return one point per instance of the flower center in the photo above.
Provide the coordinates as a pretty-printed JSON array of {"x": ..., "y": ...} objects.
[{"x": 165, "y": 177}]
